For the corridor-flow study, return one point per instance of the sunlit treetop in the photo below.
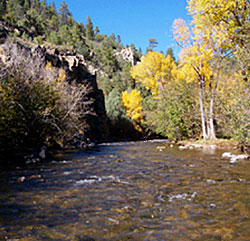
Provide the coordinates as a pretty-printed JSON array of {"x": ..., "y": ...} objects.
[
  {"x": 132, "y": 103},
  {"x": 154, "y": 71},
  {"x": 227, "y": 20}
]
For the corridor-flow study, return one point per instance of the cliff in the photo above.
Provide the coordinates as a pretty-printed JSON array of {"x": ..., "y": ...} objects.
[{"x": 74, "y": 66}]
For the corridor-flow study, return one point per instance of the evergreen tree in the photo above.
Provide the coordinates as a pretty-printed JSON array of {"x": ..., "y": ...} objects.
[
  {"x": 97, "y": 30},
  {"x": 118, "y": 39},
  {"x": 2, "y": 8},
  {"x": 89, "y": 29},
  {"x": 171, "y": 53},
  {"x": 64, "y": 13},
  {"x": 152, "y": 43}
]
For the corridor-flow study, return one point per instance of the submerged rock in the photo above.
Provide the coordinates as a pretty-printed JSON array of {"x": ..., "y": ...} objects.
[{"x": 42, "y": 153}]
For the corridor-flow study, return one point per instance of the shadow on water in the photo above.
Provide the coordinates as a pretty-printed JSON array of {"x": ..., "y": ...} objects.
[{"x": 127, "y": 191}]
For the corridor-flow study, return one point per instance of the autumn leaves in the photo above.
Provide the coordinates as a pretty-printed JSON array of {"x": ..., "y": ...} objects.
[{"x": 217, "y": 37}]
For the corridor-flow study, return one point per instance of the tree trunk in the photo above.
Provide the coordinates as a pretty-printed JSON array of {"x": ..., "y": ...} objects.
[
  {"x": 211, "y": 120},
  {"x": 203, "y": 121},
  {"x": 211, "y": 107}
]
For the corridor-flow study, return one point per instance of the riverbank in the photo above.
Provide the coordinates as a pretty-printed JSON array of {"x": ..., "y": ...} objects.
[
  {"x": 215, "y": 144},
  {"x": 226, "y": 144}
]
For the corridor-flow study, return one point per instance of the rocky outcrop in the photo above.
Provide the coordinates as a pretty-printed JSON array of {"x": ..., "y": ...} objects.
[
  {"x": 128, "y": 54},
  {"x": 76, "y": 71}
]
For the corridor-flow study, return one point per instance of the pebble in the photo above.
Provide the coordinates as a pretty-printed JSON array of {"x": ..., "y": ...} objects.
[
  {"x": 194, "y": 194},
  {"x": 212, "y": 205},
  {"x": 178, "y": 196},
  {"x": 211, "y": 181}
]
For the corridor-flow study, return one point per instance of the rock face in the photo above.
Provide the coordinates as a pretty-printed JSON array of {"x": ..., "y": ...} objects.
[
  {"x": 76, "y": 72},
  {"x": 128, "y": 55}
]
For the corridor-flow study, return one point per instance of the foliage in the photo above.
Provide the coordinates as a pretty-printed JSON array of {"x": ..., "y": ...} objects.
[
  {"x": 37, "y": 104},
  {"x": 228, "y": 18},
  {"x": 210, "y": 78},
  {"x": 223, "y": 29},
  {"x": 195, "y": 56},
  {"x": 234, "y": 102},
  {"x": 119, "y": 124},
  {"x": 152, "y": 43},
  {"x": 132, "y": 103},
  {"x": 171, "y": 53},
  {"x": 176, "y": 114},
  {"x": 154, "y": 71}
]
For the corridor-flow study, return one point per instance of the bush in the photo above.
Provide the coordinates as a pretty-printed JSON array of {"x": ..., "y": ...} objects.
[
  {"x": 234, "y": 114},
  {"x": 176, "y": 115},
  {"x": 37, "y": 105}
]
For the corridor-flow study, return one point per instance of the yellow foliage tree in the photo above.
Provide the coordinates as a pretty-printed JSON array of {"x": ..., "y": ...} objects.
[
  {"x": 154, "y": 71},
  {"x": 228, "y": 24},
  {"x": 195, "y": 57},
  {"x": 132, "y": 103}
]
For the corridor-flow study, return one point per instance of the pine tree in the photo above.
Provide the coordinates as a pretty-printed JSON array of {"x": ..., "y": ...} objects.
[
  {"x": 89, "y": 29},
  {"x": 64, "y": 13},
  {"x": 170, "y": 52},
  {"x": 2, "y": 8}
]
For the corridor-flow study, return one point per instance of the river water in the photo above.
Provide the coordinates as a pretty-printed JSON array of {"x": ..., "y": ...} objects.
[{"x": 127, "y": 191}]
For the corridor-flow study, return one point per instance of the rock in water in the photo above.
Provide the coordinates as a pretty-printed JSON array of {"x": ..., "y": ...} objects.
[
  {"x": 42, "y": 153},
  {"x": 227, "y": 155}
]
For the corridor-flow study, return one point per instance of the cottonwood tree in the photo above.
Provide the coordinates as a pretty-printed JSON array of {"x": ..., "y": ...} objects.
[
  {"x": 220, "y": 28},
  {"x": 132, "y": 103},
  {"x": 228, "y": 20},
  {"x": 154, "y": 71},
  {"x": 198, "y": 49}
]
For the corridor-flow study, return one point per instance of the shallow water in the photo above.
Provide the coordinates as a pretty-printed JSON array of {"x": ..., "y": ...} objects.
[{"x": 128, "y": 191}]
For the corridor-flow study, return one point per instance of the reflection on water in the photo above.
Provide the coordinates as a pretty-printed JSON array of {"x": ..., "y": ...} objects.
[{"x": 128, "y": 191}]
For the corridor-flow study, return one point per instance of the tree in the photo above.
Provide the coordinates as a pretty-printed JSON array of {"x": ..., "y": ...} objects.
[
  {"x": 118, "y": 39},
  {"x": 152, "y": 43},
  {"x": 195, "y": 57},
  {"x": 170, "y": 52},
  {"x": 2, "y": 8},
  {"x": 108, "y": 61},
  {"x": 89, "y": 29},
  {"x": 64, "y": 13},
  {"x": 154, "y": 71},
  {"x": 97, "y": 30},
  {"x": 228, "y": 21},
  {"x": 132, "y": 103},
  {"x": 14, "y": 11},
  {"x": 175, "y": 114}
]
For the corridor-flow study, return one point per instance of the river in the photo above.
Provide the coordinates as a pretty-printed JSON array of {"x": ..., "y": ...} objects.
[{"x": 127, "y": 191}]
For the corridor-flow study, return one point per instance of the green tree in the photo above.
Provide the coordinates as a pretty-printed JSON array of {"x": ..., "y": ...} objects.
[
  {"x": 97, "y": 30},
  {"x": 152, "y": 43},
  {"x": 176, "y": 115},
  {"x": 64, "y": 13},
  {"x": 170, "y": 52},
  {"x": 89, "y": 29},
  {"x": 108, "y": 61},
  {"x": 2, "y": 8},
  {"x": 118, "y": 39}
]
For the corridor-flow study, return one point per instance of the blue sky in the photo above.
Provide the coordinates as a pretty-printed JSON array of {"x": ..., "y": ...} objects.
[{"x": 136, "y": 21}]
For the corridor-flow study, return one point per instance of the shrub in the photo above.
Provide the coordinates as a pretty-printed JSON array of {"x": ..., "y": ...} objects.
[
  {"x": 176, "y": 115},
  {"x": 37, "y": 105}
]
